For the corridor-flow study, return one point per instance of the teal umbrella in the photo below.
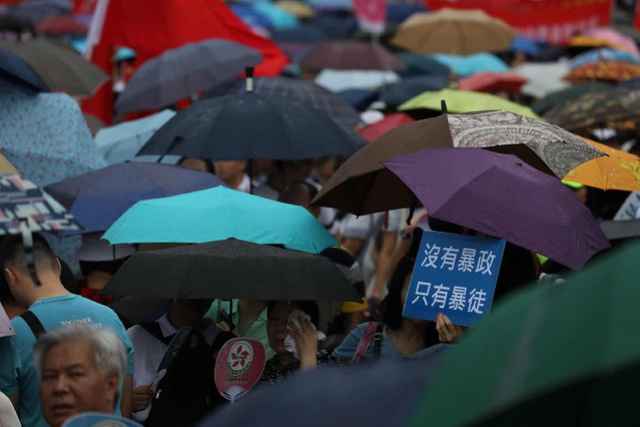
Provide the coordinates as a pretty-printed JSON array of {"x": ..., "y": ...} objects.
[{"x": 219, "y": 214}]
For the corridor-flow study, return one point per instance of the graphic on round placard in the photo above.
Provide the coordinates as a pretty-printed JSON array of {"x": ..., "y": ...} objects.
[{"x": 240, "y": 357}]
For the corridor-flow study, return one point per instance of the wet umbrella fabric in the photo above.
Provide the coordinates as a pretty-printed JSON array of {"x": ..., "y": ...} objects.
[
  {"x": 231, "y": 269},
  {"x": 585, "y": 381},
  {"x": 217, "y": 214},
  {"x": 420, "y": 65},
  {"x": 97, "y": 199},
  {"x": 350, "y": 55},
  {"x": 468, "y": 65},
  {"x": 569, "y": 94},
  {"x": 17, "y": 72},
  {"x": 183, "y": 72},
  {"x": 60, "y": 67},
  {"x": 613, "y": 71},
  {"x": 452, "y": 184},
  {"x": 251, "y": 126},
  {"x": 33, "y": 139},
  {"x": 389, "y": 122},
  {"x": 396, "y": 94},
  {"x": 301, "y": 91}
]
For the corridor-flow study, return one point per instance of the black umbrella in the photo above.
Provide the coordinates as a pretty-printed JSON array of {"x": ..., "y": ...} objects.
[
  {"x": 397, "y": 93},
  {"x": 387, "y": 394},
  {"x": 183, "y": 72},
  {"x": 16, "y": 71},
  {"x": 421, "y": 65},
  {"x": 251, "y": 126},
  {"x": 302, "y": 91},
  {"x": 231, "y": 269}
]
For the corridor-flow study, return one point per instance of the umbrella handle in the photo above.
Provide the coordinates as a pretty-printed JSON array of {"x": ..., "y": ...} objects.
[{"x": 443, "y": 106}]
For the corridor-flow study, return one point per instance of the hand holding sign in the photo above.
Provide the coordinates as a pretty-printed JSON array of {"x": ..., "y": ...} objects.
[{"x": 447, "y": 331}]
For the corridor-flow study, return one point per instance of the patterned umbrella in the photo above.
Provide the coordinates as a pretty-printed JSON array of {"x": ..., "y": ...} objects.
[
  {"x": 60, "y": 67},
  {"x": 302, "y": 91},
  {"x": 183, "y": 72},
  {"x": 350, "y": 55},
  {"x": 615, "y": 71},
  {"x": 616, "y": 109},
  {"x": 46, "y": 137},
  {"x": 567, "y": 95},
  {"x": 454, "y": 31}
]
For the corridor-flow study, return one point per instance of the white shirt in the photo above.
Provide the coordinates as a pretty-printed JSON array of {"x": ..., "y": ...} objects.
[
  {"x": 149, "y": 352},
  {"x": 8, "y": 416}
]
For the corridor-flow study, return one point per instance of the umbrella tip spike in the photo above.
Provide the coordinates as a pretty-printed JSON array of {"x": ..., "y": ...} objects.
[
  {"x": 249, "y": 78},
  {"x": 443, "y": 106}
]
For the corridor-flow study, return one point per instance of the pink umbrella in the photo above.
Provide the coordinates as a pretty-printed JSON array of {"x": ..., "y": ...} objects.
[
  {"x": 377, "y": 129},
  {"x": 493, "y": 82},
  {"x": 614, "y": 39},
  {"x": 5, "y": 325}
]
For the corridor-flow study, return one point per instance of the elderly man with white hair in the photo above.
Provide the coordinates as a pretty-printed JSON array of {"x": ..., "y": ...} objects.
[{"x": 81, "y": 369}]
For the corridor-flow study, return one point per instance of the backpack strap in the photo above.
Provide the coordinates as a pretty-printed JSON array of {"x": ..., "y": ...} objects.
[
  {"x": 367, "y": 338},
  {"x": 32, "y": 321},
  {"x": 153, "y": 328}
]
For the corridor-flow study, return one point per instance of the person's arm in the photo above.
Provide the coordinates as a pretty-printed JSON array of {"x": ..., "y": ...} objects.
[
  {"x": 384, "y": 264},
  {"x": 126, "y": 404},
  {"x": 353, "y": 246},
  {"x": 306, "y": 338}
]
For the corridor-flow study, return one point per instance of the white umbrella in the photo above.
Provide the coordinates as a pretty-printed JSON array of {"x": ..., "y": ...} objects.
[
  {"x": 339, "y": 80},
  {"x": 543, "y": 78}
]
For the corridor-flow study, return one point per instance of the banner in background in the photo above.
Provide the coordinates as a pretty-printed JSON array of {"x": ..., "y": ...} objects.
[
  {"x": 550, "y": 20},
  {"x": 371, "y": 15}
]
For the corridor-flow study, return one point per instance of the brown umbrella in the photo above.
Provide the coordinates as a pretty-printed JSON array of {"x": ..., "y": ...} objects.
[
  {"x": 60, "y": 67},
  {"x": 362, "y": 185},
  {"x": 350, "y": 55},
  {"x": 453, "y": 31},
  {"x": 617, "y": 109}
]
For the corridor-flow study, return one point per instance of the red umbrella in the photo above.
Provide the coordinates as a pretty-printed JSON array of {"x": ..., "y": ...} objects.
[
  {"x": 493, "y": 82},
  {"x": 377, "y": 129}
]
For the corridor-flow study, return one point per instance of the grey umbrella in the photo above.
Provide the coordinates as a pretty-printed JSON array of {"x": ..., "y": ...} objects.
[{"x": 183, "y": 72}]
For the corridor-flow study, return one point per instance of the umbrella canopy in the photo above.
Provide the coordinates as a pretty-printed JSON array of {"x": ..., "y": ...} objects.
[
  {"x": 567, "y": 95},
  {"x": 183, "y": 72},
  {"x": 231, "y": 269},
  {"x": 598, "y": 55},
  {"x": 251, "y": 126},
  {"x": 493, "y": 82},
  {"x": 459, "y": 101},
  {"x": 452, "y": 183},
  {"x": 614, "y": 39},
  {"x": 360, "y": 99},
  {"x": 614, "y": 71},
  {"x": 16, "y": 71},
  {"x": 585, "y": 380},
  {"x": 278, "y": 18},
  {"x": 618, "y": 170},
  {"x": 301, "y": 91},
  {"x": 357, "y": 185},
  {"x": 97, "y": 199},
  {"x": 341, "y": 80},
  {"x": 217, "y": 214},
  {"x": 35, "y": 142},
  {"x": 58, "y": 26},
  {"x": 396, "y": 94},
  {"x": 304, "y": 34},
  {"x": 454, "y": 31},
  {"x": 419, "y": 65},
  {"x": 376, "y": 130},
  {"x": 350, "y": 55},
  {"x": 296, "y": 8},
  {"x": 544, "y": 78},
  {"x": 468, "y": 65},
  {"x": 61, "y": 68},
  {"x": 21, "y": 200},
  {"x": 122, "y": 142},
  {"x": 616, "y": 109}
]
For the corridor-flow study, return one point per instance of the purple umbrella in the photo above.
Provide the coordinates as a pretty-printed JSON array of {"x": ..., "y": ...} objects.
[{"x": 502, "y": 196}]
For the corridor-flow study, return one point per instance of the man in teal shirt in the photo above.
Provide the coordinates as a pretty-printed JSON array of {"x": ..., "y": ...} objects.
[{"x": 53, "y": 306}]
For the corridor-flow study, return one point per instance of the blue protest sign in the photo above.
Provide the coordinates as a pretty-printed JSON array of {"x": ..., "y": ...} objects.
[{"x": 455, "y": 275}]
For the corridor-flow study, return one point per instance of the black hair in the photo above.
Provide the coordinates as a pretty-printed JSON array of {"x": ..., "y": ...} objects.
[
  {"x": 310, "y": 308},
  {"x": 12, "y": 250},
  {"x": 110, "y": 267},
  {"x": 519, "y": 268},
  {"x": 289, "y": 193}
]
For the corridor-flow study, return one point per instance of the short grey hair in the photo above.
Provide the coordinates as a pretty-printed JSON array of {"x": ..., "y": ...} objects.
[{"x": 108, "y": 351}]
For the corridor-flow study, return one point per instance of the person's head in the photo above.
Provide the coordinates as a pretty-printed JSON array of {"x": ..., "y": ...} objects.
[
  {"x": 286, "y": 172},
  {"x": 197, "y": 165},
  {"x": 325, "y": 168},
  {"x": 278, "y": 313},
  {"x": 301, "y": 193},
  {"x": 17, "y": 274},
  {"x": 188, "y": 312},
  {"x": 231, "y": 172},
  {"x": 80, "y": 368}
]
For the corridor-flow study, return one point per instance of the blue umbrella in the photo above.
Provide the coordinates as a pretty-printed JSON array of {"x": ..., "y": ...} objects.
[
  {"x": 279, "y": 18},
  {"x": 598, "y": 55},
  {"x": 99, "y": 198},
  {"x": 251, "y": 16},
  {"x": 396, "y": 94},
  {"x": 218, "y": 214},
  {"x": 46, "y": 137},
  {"x": 300, "y": 34},
  {"x": 472, "y": 64},
  {"x": 121, "y": 142},
  {"x": 526, "y": 45},
  {"x": 331, "y": 4}
]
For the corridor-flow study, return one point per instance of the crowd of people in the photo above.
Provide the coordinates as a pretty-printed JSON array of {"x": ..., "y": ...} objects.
[{"x": 73, "y": 347}]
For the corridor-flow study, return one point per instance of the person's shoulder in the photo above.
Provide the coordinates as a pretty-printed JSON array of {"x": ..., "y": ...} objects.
[{"x": 95, "y": 311}]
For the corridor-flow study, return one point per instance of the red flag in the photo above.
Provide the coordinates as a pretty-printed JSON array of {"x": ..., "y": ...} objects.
[
  {"x": 172, "y": 24},
  {"x": 636, "y": 19}
]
